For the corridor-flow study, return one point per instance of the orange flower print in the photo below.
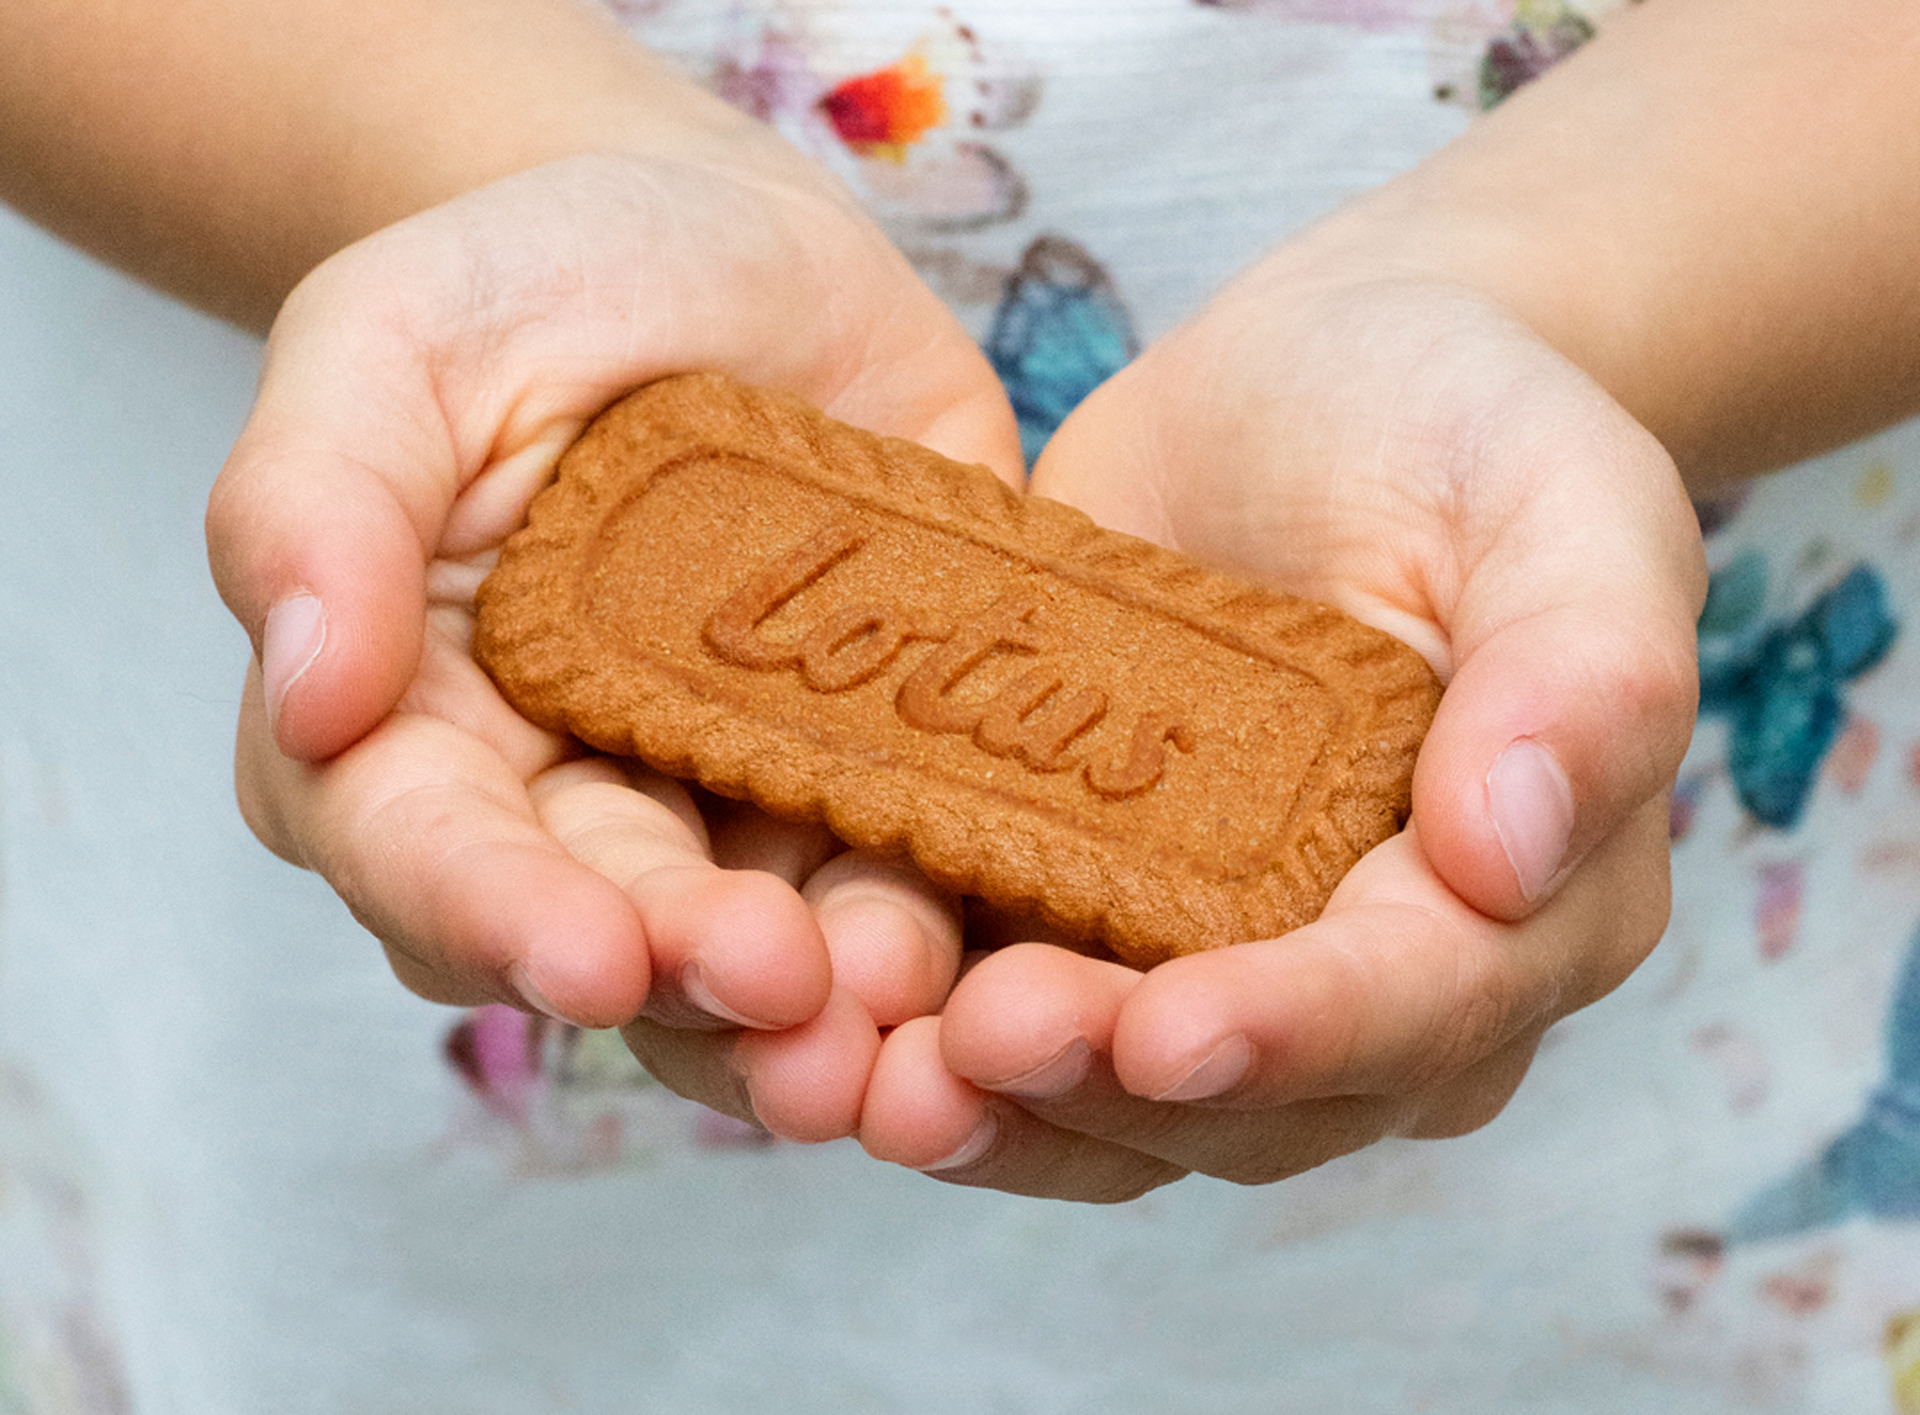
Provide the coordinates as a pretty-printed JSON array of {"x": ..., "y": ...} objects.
[
  {"x": 882, "y": 114},
  {"x": 912, "y": 138}
]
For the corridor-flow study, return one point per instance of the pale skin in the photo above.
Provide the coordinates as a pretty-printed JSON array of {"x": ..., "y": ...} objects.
[{"x": 1455, "y": 408}]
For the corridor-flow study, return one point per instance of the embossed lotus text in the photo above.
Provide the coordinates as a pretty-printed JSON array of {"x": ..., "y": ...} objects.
[
  {"x": 914, "y": 638},
  {"x": 1036, "y": 718}
]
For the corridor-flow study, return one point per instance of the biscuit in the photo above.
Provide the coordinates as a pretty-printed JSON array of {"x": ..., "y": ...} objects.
[{"x": 1056, "y": 718}]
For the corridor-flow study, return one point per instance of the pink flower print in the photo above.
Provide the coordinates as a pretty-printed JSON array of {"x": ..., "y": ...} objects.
[
  {"x": 497, "y": 1052},
  {"x": 1802, "y": 1291},
  {"x": 1777, "y": 914},
  {"x": 1851, "y": 761},
  {"x": 772, "y": 80}
]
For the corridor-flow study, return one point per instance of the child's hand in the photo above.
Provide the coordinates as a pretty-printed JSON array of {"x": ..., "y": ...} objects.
[
  {"x": 417, "y": 392},
  {"x": 1405, "y": 449}
]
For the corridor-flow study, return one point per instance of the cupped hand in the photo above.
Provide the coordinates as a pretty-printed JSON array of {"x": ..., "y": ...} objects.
[
  {"x": 418, "y": 388},
  {"x": 1402, "y": 447}
]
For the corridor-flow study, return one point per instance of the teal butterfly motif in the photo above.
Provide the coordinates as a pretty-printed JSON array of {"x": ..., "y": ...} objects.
[{"x": 1060, "y": 331}]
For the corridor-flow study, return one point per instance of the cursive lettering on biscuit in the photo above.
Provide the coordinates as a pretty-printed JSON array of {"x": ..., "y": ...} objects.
[
  {"x": 844, "y": 650},
  {"x": 1034, "y": 719}
]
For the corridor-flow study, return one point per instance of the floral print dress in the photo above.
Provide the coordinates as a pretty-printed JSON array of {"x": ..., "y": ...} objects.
[{"x": 1706, "y": 1197}]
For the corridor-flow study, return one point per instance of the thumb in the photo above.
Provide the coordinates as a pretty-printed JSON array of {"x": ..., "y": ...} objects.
[
  {"x": 1573, "y": 692},
  {"x": 319, "y": 531},
  {"x": 323, "y": 570},
  {"x": 1551, "y": 733}
]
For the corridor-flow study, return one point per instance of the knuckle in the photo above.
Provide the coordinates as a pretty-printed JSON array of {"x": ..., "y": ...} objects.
[
  {"x": 1473, "y": 1099},
  {"x": 1474, "y": 1026},
  {"x": 1489, "y": 999},
  {"x": 428, "y": 983},
  {"x": 1315, "y": 1132},
  {"x": 1663, "y": 689}
]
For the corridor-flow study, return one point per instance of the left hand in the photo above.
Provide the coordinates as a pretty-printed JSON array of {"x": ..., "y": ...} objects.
[{"x": 1404, "y": 448}]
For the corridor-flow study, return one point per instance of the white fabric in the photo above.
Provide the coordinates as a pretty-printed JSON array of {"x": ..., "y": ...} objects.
[{"x": 237, "y": 1174}]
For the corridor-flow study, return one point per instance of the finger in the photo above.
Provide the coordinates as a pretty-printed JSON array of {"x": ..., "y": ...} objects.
[
  {"x": 1029, "y": 1020},
  {"x": 893, "y": 936},
  {"x": 727, "y": 947},
  {"x": 806, "y": 1083},
  {"x": 335, "y": 499},
  {"x": 1244, "y": 1147},
  {"x": 919, "y": 1114},
  {"x": 1274, "y": 1143},
  {"x": 430, "y": 839},
  {"x": 1266, "y": 1145},
  {"x": 325, "y": 569},
  {"x": 809, "y": 1082},
  {"x": 1397, "y": 988},
  {"x": 1400, "y": 1012},
  {"x": 1036, "y": 1025}
]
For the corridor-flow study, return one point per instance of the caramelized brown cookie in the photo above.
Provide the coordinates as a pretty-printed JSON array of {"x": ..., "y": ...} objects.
[{"x": 1052, "y": 716}]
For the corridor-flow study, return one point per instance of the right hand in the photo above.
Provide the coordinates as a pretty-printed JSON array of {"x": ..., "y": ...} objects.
[
  {"x": 418, "y": 388},
  {"x": 1407, "y": 449}
]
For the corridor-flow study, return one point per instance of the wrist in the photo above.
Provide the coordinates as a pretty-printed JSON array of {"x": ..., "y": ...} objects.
[
  {"x": 257, "y": 141},
  {"x": 561, "y": 79},
  {"x": 1724, "y": 245}
]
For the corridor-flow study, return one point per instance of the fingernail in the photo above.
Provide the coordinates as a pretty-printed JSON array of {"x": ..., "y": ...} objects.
[
  {"x": 1531, "y": 802},
  {"x": 296, "y": 631},
  {"x": 694, "y": 985},
  {"x": 977, "y": 1144},
  {"x": 1055, "y": 1076},
  {"x": 1222, "y": 1069},
  {"x": 530, "y": 994}
]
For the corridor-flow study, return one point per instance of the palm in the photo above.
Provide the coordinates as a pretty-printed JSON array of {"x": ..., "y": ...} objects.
[{"x": 1369, "y": 447}]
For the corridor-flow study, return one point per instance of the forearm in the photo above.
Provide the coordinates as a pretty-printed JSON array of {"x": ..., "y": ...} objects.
[
  {"x": 222, "y": 148},
  {"x": 1714, "y": 208}
]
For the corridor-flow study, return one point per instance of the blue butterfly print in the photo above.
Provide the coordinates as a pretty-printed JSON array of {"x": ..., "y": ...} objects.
[
  {"x": 1060, "y": 332},
  {"x": 1779, "y": 684},
  {"x": 1873, "y": 1168}
]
